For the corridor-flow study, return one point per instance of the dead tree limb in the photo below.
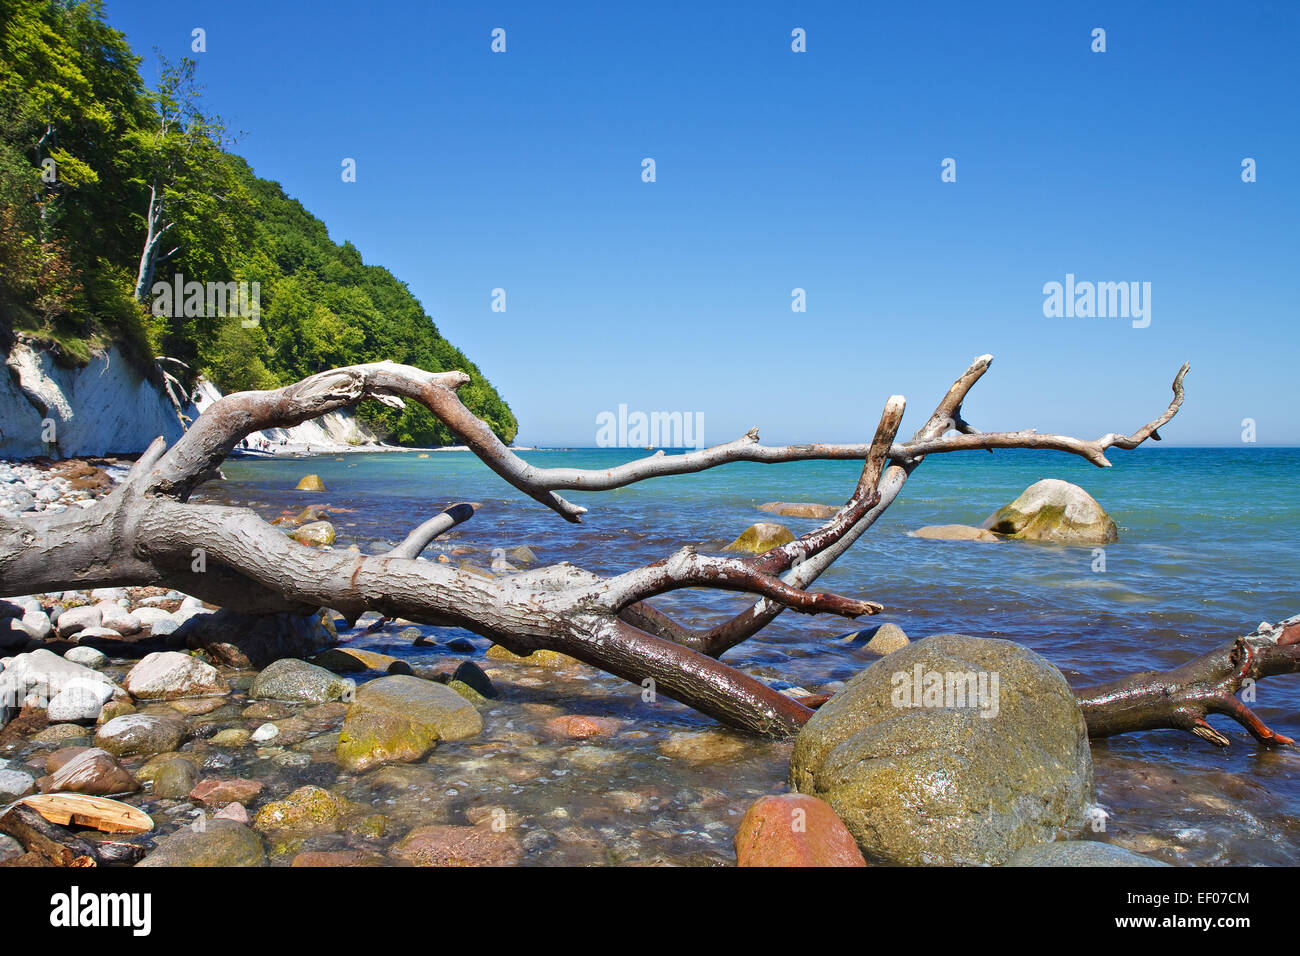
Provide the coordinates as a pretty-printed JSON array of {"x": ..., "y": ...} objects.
[
  {"x": 1184, "y": 697},
  {"x": 147, "y": 532}
]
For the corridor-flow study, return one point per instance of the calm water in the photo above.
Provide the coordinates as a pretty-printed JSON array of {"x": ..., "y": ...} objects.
[{"x": 1209, "y": 546}]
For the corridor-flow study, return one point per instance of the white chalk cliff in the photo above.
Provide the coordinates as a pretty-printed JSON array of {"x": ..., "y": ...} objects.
[{"x": 105, "y": 408}]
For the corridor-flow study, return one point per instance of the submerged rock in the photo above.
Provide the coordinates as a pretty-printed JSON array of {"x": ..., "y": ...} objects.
[
  {"x": 88, "y": 770},
  {"x": 953, "y": 532},
  {"x": 173, "y": 779},
  {"x": 1079, "y": 853},
  {"x": 953, "y": 750},
  {"x": 798, "y": 509},
  {"x": 1054, "y": 510},
  {"x": 400, "y": 719},
  {"x": 306, "y": 809},
  {"x": 215, "y": 842},
  {"x": 314, "y": 534},
  {"x": 761, "y": 537},
  {"x": 794, "y": 829},
  {"x": 133, "y": 735},
  {"x": 542, "y": 658},
  {"x": 458, "y": 846}
]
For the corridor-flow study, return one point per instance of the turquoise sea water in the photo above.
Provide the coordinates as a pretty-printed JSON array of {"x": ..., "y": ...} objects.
[{"x": 1209, "y": 547}]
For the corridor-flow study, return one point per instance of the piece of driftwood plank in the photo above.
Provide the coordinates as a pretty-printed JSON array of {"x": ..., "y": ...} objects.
[{"x": 110, "y": 816}]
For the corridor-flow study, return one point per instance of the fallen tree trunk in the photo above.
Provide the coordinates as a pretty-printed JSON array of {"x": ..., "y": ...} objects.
[{"x": 147, "y": 533}]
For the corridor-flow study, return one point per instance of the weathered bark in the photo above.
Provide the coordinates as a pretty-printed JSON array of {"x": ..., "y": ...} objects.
[{"x": 146, "y": 532}]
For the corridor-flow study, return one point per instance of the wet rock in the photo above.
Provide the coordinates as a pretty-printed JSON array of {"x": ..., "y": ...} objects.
[
  {"x": 794, "y": 830},
  {"x": 88, "y": 770},
  {"x": 350, "y": 660},
  {"x": 299, "y": 682},
  {"x": 231, "y": 737},
  {"x": 134, "y": 735},
  {"x": 174, "y": 779},
  {"x": 219, "y": 793},
  {"x": 701, "y": 746},
  {"x": 266, "y": 710},
  {"x": 472, "y": 675},
  {"x": 542, "y": 658},
  {"x": 197, "y": 706},
  {"x": 333, "y": 858},
  {"x": 761, "y": 537},
  {"x": 887, "y": 639},
  {"x": 166, "y": 675},
  {"x": 310, "y": 483},
  {"x": 400, "y": 719},
  {"x": 1054, "y": 510},
  {"x": 115, "y": 708},
  {"x": 458, "y": 846},
  {"x": 1079, "y": 853},
  {"x": 798, "y": 509},
  {"x": 267, "y": 731},
  {"x": 307, "y": 809},
  {"x": 522, "y": 555},
  {"x": 580, "y": 727},
  {"x": 921, "y": 777},
  {"x": 314, "y": 534},
  {"x": 954, "y": 532},
  {"x": 215, "y": 842},
  {"x": 62, "y": 735}
]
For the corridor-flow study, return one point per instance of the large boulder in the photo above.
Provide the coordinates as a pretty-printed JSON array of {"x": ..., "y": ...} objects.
[
  {"x": 400, "y": 719},
  {"x": 169, "y": 675},
  {"x": 1054, "y": 510},
  {"x": 761, "y": 537},
  {"x": 299, "y": 682},
  {"x": 952, "y": 750}
]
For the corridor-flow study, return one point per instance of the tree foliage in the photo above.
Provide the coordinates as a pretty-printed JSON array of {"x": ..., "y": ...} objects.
[{"x": 94, "y": 163}]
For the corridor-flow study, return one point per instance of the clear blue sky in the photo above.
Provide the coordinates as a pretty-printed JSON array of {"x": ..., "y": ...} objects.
[{"x": 818, "y": 170}]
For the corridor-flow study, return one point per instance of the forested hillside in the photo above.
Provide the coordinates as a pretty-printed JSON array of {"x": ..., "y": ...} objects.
[{"x": 108, "y": 187}]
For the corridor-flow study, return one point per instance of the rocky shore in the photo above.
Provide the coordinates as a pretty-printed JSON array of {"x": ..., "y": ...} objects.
[{"x": 303, "y": 741}]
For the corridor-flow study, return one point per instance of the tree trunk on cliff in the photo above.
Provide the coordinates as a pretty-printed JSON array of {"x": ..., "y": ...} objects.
[{"x": 146, "y": 533}]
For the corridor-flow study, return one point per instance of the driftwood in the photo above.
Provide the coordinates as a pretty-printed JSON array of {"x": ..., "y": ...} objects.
[{"x": 146, "y": 533}]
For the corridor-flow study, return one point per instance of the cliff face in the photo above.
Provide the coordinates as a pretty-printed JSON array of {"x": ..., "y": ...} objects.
[
  {"x": 331, "y": 431},
  {"x": 105, "y": 408}
]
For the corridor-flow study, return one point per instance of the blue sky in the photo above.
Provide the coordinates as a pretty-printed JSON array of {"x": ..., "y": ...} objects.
[{"x": 817, "y": 170}]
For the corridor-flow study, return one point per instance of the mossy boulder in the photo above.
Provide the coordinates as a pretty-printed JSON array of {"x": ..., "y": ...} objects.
[
  {"x": 542, "y": 658},
  {"x": 1054, "y": 510},
  {"x": 761, "y": 537},
  {"x": 399, "y": 719},
  {"x": 306, "y": 810},
  {"x": 921, "y": 774},
  {"x": 310, "y": 483}
]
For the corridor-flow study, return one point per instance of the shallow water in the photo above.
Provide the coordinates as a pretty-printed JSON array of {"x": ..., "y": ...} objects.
[{"x": 1208, "y": 548}]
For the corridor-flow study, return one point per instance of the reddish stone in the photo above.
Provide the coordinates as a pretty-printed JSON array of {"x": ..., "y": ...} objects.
[
  {"x": 232, "y": 811},
  {"x": 215, "y": 793},
  {"x": 774, "y": 832},
  {"x": 580, "y": 727},
  {"x": 458, "y": 846}
]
